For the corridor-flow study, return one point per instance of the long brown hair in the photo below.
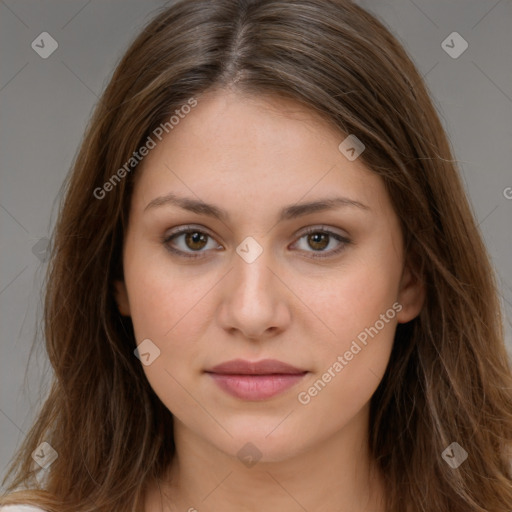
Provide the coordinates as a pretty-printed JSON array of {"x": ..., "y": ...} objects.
[{"x": 449, "y": 378}]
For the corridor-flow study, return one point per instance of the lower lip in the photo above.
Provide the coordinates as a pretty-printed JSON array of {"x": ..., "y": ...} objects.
[{"x": 256, "y": 387}]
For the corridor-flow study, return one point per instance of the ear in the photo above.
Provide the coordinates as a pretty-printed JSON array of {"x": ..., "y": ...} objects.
[
  {"x": 411, "y": 295},
  {"x": 121, "y": 296}
]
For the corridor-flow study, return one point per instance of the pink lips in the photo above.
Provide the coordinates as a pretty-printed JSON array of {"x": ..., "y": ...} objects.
[{"x": 255, "y": 380}]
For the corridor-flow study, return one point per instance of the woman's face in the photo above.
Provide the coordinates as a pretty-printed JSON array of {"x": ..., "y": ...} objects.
[{"x": 248, "y": 282}]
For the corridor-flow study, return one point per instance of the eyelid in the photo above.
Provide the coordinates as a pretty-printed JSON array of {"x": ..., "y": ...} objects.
[
  {"x": 184, "y": 228},
  {"x": 320, "y": 228}
]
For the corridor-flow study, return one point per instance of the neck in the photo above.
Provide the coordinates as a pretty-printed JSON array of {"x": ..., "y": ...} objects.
[{"x": 335, "y": 474}]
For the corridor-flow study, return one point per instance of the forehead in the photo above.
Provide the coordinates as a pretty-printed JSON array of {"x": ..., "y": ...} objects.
[{"x": 256, "y": 148}]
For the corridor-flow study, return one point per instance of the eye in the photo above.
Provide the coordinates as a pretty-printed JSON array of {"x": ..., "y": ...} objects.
[
  {"x": 319, "y": 239},
  {"x": 192, "y": 241},
  {"x": 191, "y": 238}
]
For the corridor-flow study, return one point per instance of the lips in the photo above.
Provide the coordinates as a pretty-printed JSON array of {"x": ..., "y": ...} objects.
[
  {"x": 256, "y": 381},
  {"x": 263, "y": 367}
]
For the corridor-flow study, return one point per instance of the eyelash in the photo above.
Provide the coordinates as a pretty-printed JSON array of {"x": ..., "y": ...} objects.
[{"x": 198, "y": 254}]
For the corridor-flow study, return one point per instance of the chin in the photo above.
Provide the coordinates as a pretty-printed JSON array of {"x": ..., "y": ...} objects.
[{"x": 258, "y": 445}]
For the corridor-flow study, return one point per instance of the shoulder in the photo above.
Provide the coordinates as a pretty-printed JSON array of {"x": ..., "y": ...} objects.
[{"x": 20, "y": 508}]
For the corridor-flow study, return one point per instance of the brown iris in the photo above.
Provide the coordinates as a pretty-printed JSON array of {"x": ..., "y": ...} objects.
[
  {"x": 318, "y": 240},
  {"x": 193, "y": 238}
]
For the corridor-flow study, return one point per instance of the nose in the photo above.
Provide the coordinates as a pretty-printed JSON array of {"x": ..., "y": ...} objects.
[{"x": 254, "y": 300}]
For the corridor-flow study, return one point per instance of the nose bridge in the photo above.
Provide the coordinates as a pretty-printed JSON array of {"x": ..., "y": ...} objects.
[
  {"x": 251, "y": 300},
  {"x": 253, "y": 258}
]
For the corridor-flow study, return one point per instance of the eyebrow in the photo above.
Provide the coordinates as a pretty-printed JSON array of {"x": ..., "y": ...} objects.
[{"x": 287, "y": 213}]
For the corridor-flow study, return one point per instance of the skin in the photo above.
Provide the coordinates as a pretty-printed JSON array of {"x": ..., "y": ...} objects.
[{"x": 253, "y": 156}]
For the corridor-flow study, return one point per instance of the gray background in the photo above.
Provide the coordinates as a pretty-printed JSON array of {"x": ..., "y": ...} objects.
[{"x": 46, "y": 103}]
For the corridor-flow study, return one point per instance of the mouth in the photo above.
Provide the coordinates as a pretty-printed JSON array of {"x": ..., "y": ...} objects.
[{"x": 255, "y": 381}]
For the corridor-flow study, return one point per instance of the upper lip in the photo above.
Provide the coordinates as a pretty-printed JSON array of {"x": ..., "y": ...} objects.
[{"x": 263, "y": 367}]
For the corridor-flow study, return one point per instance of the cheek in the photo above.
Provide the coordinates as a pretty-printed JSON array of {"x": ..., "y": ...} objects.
[
  {"x": 357, "y": 307},
  {"x": 166, "y": 300},
  {"x": 334, "y": 397},
  {"x": 167, "y": 309},
  {"x": 353, "y": 364},
  {"x": 353, "y": 298}
]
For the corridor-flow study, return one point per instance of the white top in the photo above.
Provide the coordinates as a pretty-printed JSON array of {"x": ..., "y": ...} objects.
[{"x": 20, "y": 508}]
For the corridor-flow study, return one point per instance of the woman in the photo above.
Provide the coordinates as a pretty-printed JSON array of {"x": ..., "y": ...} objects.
[{"x": 267, "y": 290}]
